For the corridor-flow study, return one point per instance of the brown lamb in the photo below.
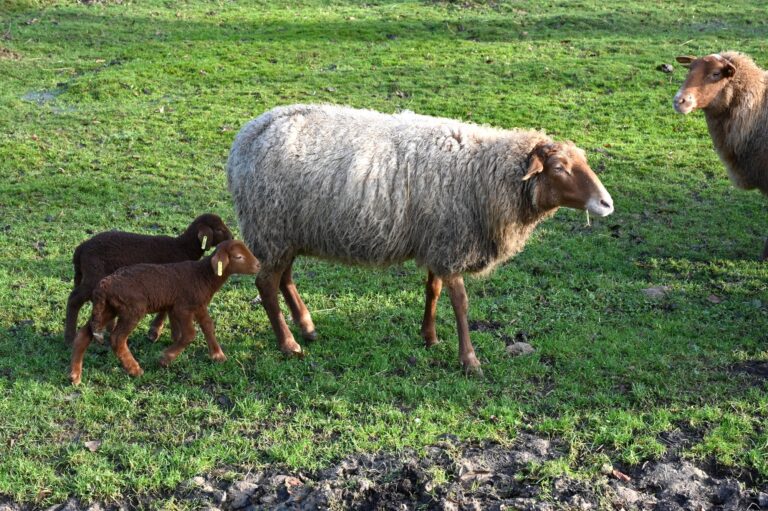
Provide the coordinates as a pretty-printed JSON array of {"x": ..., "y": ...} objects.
[
  {"x": 106, "y": 252},
  {"x": 182, "y": 290},
  {"x": 732, "y": 91}
]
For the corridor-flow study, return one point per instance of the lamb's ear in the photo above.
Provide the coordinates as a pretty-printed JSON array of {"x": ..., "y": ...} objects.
[
  {"x": 205, "y": 235},
  {"x": 219, "y": 262},
  {"x": 537, "y": 157},
  {"x": 729, "y": 70},
  {"x": 685, "y": 60}
]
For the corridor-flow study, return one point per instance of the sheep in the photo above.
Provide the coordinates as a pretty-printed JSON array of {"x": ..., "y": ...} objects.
[
  {"x": 105, "y": 252},
  {"x": 733, "y": 93},
  {"x": 183, "y": 290},
  {"x": 362, "y": 187}
]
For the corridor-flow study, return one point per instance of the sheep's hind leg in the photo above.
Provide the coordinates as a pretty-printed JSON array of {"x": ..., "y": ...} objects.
[
  {"x": 299, "y": 312},
  {"x": 765, "y": 251},
  {"x": 75, "y": 302},
  {"x": 428, "y": 332},
  {"x": 119, "y": 341},
  {"x": 80, "y": 344},
  {"x": 156, "y": 328},
  {"x": 268, "y": 284},
  {"x": 460, "y": 305}
]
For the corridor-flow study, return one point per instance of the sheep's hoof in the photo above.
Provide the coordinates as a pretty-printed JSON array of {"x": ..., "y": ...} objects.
[
  {"x": 472, "y": 366},
  {"x": 74, "y": 378},
  {"x": 99, "y": 337},
  {"x": 309, "y": 336},
  {"x": 154, "y": 334},
  {"x": 219, "y": 357},
  {"x": 292, "y": 349},
  {"x": 136, "y": 371},
  {"x": 429, "y": 341}
]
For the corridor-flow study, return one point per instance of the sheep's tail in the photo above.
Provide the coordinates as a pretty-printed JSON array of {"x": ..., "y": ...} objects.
[{"x": 76, "y": 264}]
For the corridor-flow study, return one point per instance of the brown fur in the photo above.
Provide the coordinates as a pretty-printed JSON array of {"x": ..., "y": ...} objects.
[
  {"x": 182, "y": 290},
  {"x": 106, "y": 252},
  {"x": 732, "y": 91}
]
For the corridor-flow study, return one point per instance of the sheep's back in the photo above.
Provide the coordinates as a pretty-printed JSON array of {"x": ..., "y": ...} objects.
[{"x": 362, "y": 187}]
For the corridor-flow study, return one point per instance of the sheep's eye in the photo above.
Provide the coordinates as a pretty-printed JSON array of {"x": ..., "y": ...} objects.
[
  {"x": 238, "y": 256},
  {"x": 716, "y": 74},
  {"x": 559, "y": 168}
]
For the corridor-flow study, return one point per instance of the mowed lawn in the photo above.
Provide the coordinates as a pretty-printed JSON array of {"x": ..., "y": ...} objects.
[{"x": 120, "y": 115}]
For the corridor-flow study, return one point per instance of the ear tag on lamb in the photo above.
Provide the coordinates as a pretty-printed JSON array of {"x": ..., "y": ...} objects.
[
  {"x": 205, "y": 240},
  {"x": 220, "y": 269}
]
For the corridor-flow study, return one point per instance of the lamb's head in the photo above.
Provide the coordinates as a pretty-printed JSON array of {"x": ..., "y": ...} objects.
[
  {"x": 707, "y": 77},
  {"x": 233, "y": 257},
  {"x": 564, "y": 178},
  {"x": 210, "y": 230}
]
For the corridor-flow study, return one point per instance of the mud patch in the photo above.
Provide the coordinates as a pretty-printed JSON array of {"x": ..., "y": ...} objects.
[
  {"x": 755, "y": 370},
  {"x": 459, "y": 476},
  {"x": 6, "y": 54}
]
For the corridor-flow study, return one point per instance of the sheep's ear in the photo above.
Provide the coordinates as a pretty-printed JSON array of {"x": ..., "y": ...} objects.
[
  {"x": 538, "y": 156},
  {"x": 205, "y": 235},
  {"x": 729, "y": 70},
  {"x": 685, "y": 60},
  {"x": 219, "y": 262}
]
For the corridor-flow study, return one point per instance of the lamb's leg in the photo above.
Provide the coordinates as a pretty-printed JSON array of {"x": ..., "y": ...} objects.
[
  {"x": 428, "y": 332},
  {"x": 119, "y": 341},
  {"x": 765, "y": 251},
  {"x": 77, "y": 298},
  {"x": 156, "y": 328},
  {"x": 206, "y": 324},
  {"x": 299, "y": 312},
  {"x": 79, "y": 346},
  {"x": 268, "y": 285},
  {"x": 183, "y": 326},
  {"x": 460, "y": 304}
]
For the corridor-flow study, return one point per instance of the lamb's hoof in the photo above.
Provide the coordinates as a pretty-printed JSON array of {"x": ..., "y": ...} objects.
[
  {"x": 74, "y": 378},
  {"x": 99, "y": 337},
  {"x": 153, "y": 335},
  {"x": 292, "y": 349},
  {"x": 135, "y": 372},
  {"x": 165, "y": 360},
  {"x": 472, "y": 366},
  {"x": 309, "y": 336},
  {"x": 219, "y": 357},
  {"x": 429, "y": 342}
]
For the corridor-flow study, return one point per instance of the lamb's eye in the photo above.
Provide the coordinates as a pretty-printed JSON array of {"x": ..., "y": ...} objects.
[
  {"x": 238, "y": 257},
  {"x": 716, "y": 74}
]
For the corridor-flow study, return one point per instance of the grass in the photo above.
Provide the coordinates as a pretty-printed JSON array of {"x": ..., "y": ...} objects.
[{"x": 121, "y": 115}]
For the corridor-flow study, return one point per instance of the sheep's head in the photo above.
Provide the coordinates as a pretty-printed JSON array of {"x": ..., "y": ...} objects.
[
  {"x": 232, "y": 257},
  {"x": 210, "y": 230},
  {"x": 707, "y": 77},
  {"x": 564, "y": 178}
]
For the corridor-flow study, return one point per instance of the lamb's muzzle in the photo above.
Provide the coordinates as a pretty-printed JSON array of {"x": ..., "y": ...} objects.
[{"x": 601, "y": 203}]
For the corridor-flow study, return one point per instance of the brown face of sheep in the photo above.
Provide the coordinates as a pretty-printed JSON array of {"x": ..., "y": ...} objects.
[
  {"x": 563, "y": 178},
  {"x": 211, "y": 230},
  {"x": 234, "y": 257},
  {"x": 707, "y": 76}
]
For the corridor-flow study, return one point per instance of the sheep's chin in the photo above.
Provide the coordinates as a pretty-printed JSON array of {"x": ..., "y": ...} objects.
[{"x": 597, "y": 209}]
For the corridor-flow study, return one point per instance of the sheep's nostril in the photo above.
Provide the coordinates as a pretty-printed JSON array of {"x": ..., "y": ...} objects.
[{"x": 605, "y": 203}]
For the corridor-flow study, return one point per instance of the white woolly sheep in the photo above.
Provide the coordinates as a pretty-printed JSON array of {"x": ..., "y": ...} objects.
[{"x": 362, "y": 187}]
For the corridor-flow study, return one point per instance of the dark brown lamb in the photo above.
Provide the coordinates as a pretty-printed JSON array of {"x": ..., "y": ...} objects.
[
  {"x": 106, "y": 252},
  {"x": 733, "y": 93},
  {"x": 182, "y": 290}
]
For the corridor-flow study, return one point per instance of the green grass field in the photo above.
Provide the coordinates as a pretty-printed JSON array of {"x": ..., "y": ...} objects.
[{"x": 121, "y": 115}]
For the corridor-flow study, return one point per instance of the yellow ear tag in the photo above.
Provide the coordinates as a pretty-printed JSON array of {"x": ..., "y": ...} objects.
[
  {"x": 220, "y": 269},
  {"x": 205, "y": 240}
]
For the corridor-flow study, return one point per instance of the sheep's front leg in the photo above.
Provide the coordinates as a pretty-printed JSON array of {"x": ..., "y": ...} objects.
[
  {"x": 268, "y": 285},
  {"x": 765, "y": 251},
  {"x": 460, "y": 305},
  {"x": 206, "y": 325},
  {"x": 183, "y": 330},
  {"x": 156, "y": 328},
  {"x": 434, "y": 287},
  {"x": 119, "y": 341}
]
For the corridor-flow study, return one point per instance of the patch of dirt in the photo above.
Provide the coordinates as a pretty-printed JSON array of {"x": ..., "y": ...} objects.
[
  {"x": 463, "y": 476},
  {"x": 756, "y": 370},
  {"x": 6, "y": 54}
]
